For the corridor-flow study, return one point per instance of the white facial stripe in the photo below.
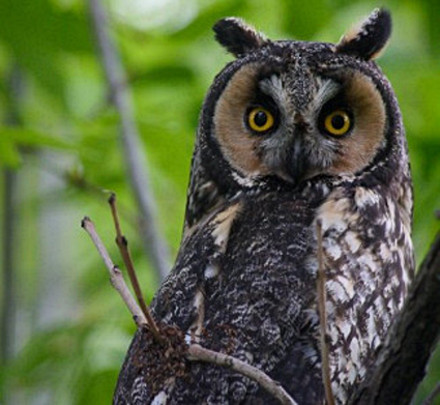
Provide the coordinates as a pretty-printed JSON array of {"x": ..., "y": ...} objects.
[
  {"x": 274, "y": 88},
  {"x": 327, "y": 89},
  {"x": 271, "y": 85}
]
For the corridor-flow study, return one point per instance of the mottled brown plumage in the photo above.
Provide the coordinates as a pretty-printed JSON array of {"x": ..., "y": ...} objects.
[{"x": 290, "y": 133}]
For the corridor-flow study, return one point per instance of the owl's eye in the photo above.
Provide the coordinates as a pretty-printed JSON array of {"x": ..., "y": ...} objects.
[
  {"x": 337, "y": 122},
  {"x": 260, "y": 120}
]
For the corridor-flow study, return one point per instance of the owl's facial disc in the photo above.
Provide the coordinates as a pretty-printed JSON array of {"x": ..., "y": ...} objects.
[
  {"x": 353, "y": 123},
  {"x": 263, "y": 129}
]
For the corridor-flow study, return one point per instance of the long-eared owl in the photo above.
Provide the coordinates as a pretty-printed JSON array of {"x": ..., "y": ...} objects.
[{"x": 290, "y": 133}]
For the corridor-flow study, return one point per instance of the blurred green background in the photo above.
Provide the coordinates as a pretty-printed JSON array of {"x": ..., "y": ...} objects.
[{"x": 64, "y": 330}]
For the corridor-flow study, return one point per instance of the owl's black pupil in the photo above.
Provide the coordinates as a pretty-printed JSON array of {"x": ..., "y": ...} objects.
[
  {"x": 260, "y": 118},
  {"x": 338, "y": 121}
]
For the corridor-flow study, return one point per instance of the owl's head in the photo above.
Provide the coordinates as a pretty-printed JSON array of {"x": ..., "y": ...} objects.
[{"x": 285, "y": 112}]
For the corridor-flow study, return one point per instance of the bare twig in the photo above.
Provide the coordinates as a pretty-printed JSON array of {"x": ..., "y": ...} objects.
[
  {"x": 116, "y": 277},
  {"x": 198, "y": 353},
  {"x": 322, "y": 298},
  {"x": 401, "y": 363},
  {"x": 135, "y": 160},
  {"x": 429, "y": 400},
  {"x": 122, "y": 243},
  {"x": 77, "y": 180}
]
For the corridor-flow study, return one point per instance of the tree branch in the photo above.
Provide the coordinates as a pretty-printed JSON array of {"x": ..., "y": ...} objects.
[
  {"x": 154, "y": 243},
  {"x": 116, "y": 277},
  {"x": 198, "y": 353},
  {"x": 401, "y": 364},
  {"x": 122, "y": 243},
  {"x": 14, "y": 92}
]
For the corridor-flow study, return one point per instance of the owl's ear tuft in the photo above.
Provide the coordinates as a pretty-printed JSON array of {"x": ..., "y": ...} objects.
[
  {"x": 238, "y": 37},
  {"x": 368, "y": 39}
]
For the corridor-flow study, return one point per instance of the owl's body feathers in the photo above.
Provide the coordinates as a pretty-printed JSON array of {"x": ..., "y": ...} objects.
[{"x": 290, "y": 133}]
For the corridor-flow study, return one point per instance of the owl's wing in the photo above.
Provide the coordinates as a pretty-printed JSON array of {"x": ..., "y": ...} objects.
[
  {"x": 204, "y": 194},
  {"x": 241, "y": 286}
]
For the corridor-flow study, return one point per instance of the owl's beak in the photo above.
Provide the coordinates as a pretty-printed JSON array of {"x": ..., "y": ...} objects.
[
  {"x": 295, "y": 164},
  {"x": 285, "y": 155}
]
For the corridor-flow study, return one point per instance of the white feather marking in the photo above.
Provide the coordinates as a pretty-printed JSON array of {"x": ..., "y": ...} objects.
[
  {"x": 309, "y": 353},
  {"x": 385, "y": 252},
  {"x": 249, "y": 357},
  {"x": 354, "y": 348},
  {"x": 364, "y": 197},
  {"x": 345, "y": 328},
  {"x": 342, "y": 362},
  {"x": 192, "y": 335},
  {"x": 347, "y": 283},
  {"x": 198, "y": 299},
  {"x": 332, "y": 214},
  {"x": 223, "y": 222},
  {"x": 353, "y": 241},
  {"x": 371, "y": 326},
  {"x": 243, "y": 181},
  {"x": 352, "y": 373},
  {"x": 332, "y": 249},
  {"x": 334, "y": 336},
  {"x": 367, "y": 279},
  {"x": 405, "y": 274},
  {"x": 160, "y": 399},
  {"x": 336, "y": 289},
  {"x": 367, "y": 260},
  {"x": 211, "y": 271}
]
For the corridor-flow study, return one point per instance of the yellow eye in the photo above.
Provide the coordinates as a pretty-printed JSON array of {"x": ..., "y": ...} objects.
[
  {"x": 260, "y": 120},
  {"x": 337, "y": 123}
]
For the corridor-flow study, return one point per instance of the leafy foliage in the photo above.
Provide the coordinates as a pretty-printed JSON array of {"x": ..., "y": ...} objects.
[{"x": 71, "y": 330}]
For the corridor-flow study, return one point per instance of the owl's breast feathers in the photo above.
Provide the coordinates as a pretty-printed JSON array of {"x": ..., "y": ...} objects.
[
  {"x": 245, "y": 284},
  {"x": 369, "y": 264}
]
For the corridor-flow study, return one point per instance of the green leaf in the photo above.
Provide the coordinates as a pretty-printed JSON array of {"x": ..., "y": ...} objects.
[
  {"x": 432, "y": 15},
  {"x": 303, "y": 20},
  {"x": 208, "y": 16},
  {"x": 11, "y": 139},
  {"x": 9, "y": 154},
  {"x": 30, "y": 137},
  {"x": 39, "y": 24},
  {"x": 37, "y": 34}
]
